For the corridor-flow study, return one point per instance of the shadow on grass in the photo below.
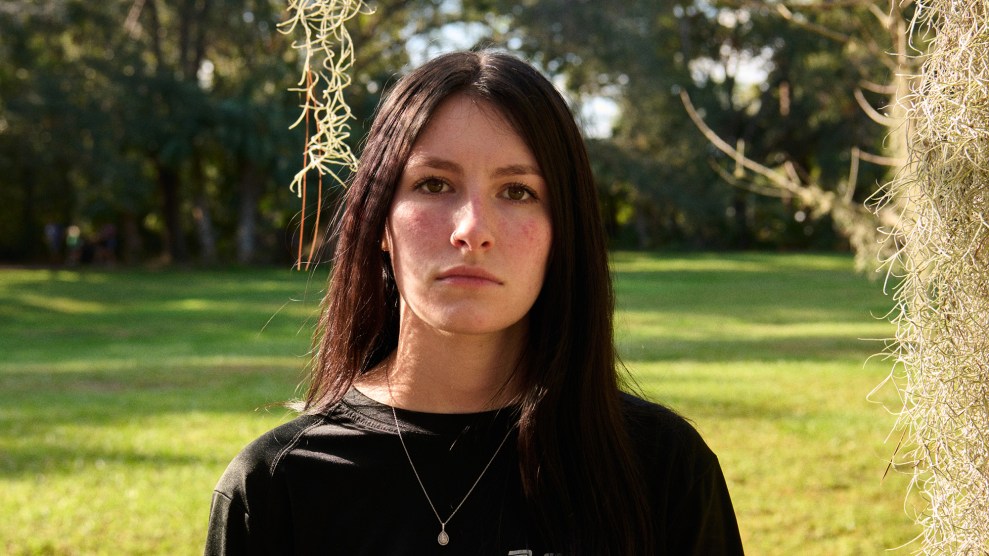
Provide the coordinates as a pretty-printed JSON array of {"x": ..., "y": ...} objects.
[
  {"x": 774, "y": 298},
  {"x": 57, "y": 422},
  {"x": 106, "y": 348},
  {"x": 38, "y": 459},
  {"x": 28, "y": 295},
  {"x": 813, "y": 348},
  {"x": 98, "y": 394}
]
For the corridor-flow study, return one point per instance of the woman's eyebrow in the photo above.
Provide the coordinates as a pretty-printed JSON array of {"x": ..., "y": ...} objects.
[
  {"x": 451, "y": 166},
  {"x": 436, "y": 163},
  {"x": 516, "y": 170}
]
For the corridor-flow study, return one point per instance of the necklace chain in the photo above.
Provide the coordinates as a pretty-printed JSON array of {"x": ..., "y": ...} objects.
[{"x": 443, "y": 538}]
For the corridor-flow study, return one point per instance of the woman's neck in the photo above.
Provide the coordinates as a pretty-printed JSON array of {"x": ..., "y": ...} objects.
[{"x": 439, "y": 372}]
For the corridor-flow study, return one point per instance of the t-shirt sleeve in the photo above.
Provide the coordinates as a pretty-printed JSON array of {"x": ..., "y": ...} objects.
[
  {"x": 244, "y": 486},
  {"x": 705, "y": 523},
  {"x": 228, "y": 531},
  {"x": 249, "y": 514},
  {"x": 688, "y": 492}
]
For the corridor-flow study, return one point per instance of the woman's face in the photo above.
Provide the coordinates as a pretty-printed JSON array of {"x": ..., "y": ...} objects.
[{"x": 469, "y": 228}]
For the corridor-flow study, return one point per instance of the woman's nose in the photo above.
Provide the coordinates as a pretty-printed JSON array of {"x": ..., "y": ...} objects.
[{"x": 472, "y": 227}]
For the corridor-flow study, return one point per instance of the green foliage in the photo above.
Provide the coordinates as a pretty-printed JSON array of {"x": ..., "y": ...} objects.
[
  {"x": 642, "y": 54},
  {"x": 169, "y": 119},
  {"x": 124, "y": 394},
  {"x": 148, "y": 113}
]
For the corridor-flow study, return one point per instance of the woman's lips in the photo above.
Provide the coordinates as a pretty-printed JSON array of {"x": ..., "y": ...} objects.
[{"x": 467, "y": 275}]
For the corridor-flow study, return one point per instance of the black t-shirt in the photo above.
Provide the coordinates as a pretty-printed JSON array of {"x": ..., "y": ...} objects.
[{"x": 340, "y": 483}]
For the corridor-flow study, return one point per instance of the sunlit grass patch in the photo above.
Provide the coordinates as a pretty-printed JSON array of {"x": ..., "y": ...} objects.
[
  {"x": 116, "y": 423},
  {"x": 768, "y": 356}
]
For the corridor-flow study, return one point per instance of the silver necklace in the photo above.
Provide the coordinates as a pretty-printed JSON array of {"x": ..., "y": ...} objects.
[{"x": 443, "y": 538}]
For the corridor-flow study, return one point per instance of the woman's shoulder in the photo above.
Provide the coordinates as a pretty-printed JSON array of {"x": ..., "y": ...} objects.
[
  {"x": 661, "y": 435},
  {"x": 258, "y": 460},
  {"x": 640, "y": 412},
  {"x": 686, "y": 486},
  {"x": 257, "y": 464}
]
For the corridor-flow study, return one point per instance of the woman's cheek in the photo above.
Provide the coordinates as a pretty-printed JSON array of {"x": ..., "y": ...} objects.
[
  {"x": 535, "y": 233},
  {"x": 412, "y": 226}
]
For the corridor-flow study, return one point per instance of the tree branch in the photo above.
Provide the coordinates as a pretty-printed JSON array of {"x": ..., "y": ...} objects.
[
  {"x": 877, "y": 87},
  {"x": 872, "y": 113},
  {"x": 773, "y": 176},
  {"x": 787, "y": 14},
  {"x": 747, "y": 185},
  {"x": 131, "y": 24},
  {"x": 882, "y": 160}
]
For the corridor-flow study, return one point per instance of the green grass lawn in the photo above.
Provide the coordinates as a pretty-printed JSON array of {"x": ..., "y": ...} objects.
[{"x": 123, "y": 394}]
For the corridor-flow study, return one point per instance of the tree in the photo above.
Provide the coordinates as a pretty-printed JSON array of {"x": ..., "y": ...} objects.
[
  {"x": 191, "y": 58},
  {"x": 168, "y": 119},
  {"x": 40, "y": 114},
  {"x": 874, "y": 49},
  {"x": 129, "y": 109},
  {"x": 642, "y": 55},
  {"x": 942, "y": 248}
]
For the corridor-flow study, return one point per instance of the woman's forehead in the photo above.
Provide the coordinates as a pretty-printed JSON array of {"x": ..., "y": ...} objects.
[{"x": 464, "y": 127}]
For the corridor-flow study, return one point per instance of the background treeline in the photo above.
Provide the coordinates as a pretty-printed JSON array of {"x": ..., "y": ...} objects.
[{"x": 143, "y": 130}]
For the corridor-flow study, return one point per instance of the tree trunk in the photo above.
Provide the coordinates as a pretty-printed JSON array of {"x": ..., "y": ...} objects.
[
  {"x": 642, "y": 226},
  {"x": 202, "y": 216},
  {"x": 204, "y": 229},
  {"x": 250, "y": 190},
  {"x": 29, "y": 229},
  {"x": 740, "y": 220},
  {"x": 132, "y": 244},
  {"x": 168, "y": 183}
]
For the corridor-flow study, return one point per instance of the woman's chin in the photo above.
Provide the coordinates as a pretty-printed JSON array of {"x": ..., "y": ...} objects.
[{"x": 473, "y": 325}]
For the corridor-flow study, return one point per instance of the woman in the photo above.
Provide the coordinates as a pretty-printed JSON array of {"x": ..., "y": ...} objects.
[{"x": 464, "y": 397}]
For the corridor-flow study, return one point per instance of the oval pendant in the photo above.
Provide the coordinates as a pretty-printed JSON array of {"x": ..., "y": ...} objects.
[{"x": 443, "y": 538}]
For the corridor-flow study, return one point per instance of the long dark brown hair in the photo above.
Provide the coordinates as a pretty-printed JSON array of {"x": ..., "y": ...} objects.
[{"x": 573, "y": 444}]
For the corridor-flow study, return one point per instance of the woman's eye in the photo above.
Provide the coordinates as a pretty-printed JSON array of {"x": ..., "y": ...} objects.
[
  {"x": 432, "y": 185},
  {"x": 518, "y": 193}
]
